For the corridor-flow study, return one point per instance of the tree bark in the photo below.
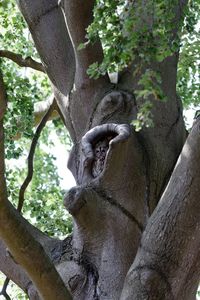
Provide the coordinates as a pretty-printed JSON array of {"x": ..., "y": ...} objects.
[
  {"x": 136, "y": 221},
  {"x": 167, "y": 261}
]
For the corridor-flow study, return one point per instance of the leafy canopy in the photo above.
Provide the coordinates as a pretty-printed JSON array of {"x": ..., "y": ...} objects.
[
  {"x": 24, "y": 88},
  {"x": 131, "y": 32}
]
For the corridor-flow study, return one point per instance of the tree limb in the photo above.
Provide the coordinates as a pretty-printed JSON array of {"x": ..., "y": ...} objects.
[
  {"x": 4, "y": 288},
  {"x": 45, "y": 19},
  {"x": 145, "y": 13},
  {"x": 87, "y": 91},
  {"x": 15, "y": 231},
  {"x": 14, "y": 271},
  {"x": 31, "y": 156},
  {"x": 168, "y": 133},
  {"x": 18, "y": 236},
  {"x": 170, "y": 244},
  {"x": 3, "y": 104},
  {"x": 40, "y": 109},
  {"x": 3, "y": 193},
  {"x": 78, "y": 18},
  {"x": 22, "y": 62}
]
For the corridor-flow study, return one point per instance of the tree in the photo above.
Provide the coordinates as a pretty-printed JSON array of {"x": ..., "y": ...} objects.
[{"x": 136, "y": 206}]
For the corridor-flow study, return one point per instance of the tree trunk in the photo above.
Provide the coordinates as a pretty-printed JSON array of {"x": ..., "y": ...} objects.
[{"x": 136, "y": 222}]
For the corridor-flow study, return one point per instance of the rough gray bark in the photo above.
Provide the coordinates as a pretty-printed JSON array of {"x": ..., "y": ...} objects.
[
  {"x": 170, "y": 269},
  {"x": 126, "y": 244}
]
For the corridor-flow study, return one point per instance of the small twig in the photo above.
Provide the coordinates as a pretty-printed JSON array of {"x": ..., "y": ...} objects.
[
  {"x": 4, "y": 288},
  {"x": 22, "y": 62},
  {"x": 31, "y": 156}
]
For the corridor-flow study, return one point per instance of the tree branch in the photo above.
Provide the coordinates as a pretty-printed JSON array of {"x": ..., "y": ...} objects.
[
  {"x": 4, "y": 288},
  {"x": 40, "y": 109},
  {"x": 15, "y": 231},
  {"x": 31, "y": 156},
  {"x": 15, "y": 272},
  {"x": 45, "y": 19},
  {"x": 3, "y": 104},
  {"x": 22, "y": 62},
  {"x": 78, "y": 18},
  {"x": 170, "y": 244},
  {"x": 17, "y": 234},
  {"x": 3, "y": 192},
  {"x": 87, "y": 91},
  {"x": 168, "y": 134}
]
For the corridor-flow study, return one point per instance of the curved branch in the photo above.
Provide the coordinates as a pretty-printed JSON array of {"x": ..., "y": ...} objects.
[
  {"x": 15, "y": 272},
  {"x": 167, "y": 262},
  {"x": 49, "y": 31},
  {"x": 40, "y": 109},
  {"x": 31, "y": 156},
  {"x": 22, "y": 62},
  {"x": 45, "y": 19},
  {"x": 79, "y": 17},
  {"x": 15, "y": 231}
]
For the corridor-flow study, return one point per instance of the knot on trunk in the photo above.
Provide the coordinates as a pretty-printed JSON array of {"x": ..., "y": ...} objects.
[{"x": 116, "y": 106}]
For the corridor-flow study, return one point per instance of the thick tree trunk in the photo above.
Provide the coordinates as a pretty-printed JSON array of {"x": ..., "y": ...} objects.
[{"x": 119, "y": 249}]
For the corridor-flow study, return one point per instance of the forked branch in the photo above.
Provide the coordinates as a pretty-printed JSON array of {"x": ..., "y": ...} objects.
[{"x": 31, "y": 155}]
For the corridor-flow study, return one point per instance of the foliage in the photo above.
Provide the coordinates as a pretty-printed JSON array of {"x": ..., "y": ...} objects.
[
  {"x": 129, "y": 35},
  {"x": 13, "y": 290},
  {"x": 43, "y": 205},
  {"x": 43, "y": 199},
  {"x": 23, "y": 90},
  {"x": 125, "y": 36},
  {"x": 23, "y": 86},
  {"x": 189, "y": 61},
  {"x": 14, "y": 33}
]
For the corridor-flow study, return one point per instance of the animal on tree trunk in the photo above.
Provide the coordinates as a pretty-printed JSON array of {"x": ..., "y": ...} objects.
[
  {"x": 135, "y": 206},
  {"x": 100, "y": 151}
]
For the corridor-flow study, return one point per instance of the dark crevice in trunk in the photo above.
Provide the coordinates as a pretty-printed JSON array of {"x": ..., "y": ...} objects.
[
  {"x": 114, "y": 202},
  {"x": 146, "y": 159}
]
